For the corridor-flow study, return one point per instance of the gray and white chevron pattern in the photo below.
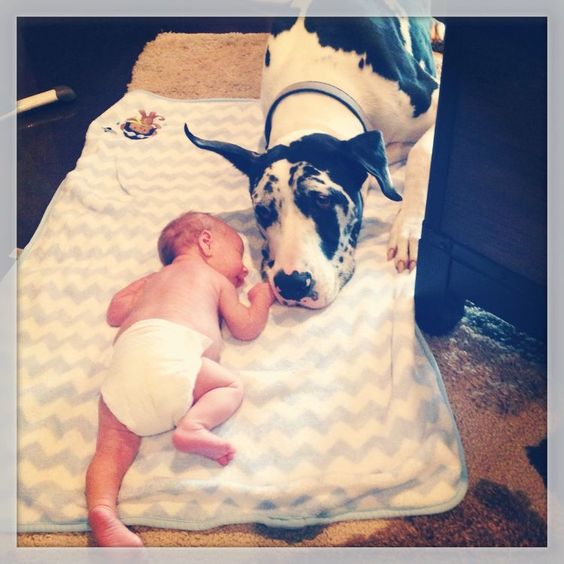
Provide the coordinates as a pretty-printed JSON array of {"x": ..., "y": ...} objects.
[{"x": 345, "y": 415}]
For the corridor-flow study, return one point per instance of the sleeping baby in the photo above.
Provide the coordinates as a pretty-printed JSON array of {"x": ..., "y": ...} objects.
[{"x": 164, "y": 373}]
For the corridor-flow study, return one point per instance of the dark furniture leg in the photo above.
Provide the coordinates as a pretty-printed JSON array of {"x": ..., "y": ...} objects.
[{"x": 437, "y": 310}]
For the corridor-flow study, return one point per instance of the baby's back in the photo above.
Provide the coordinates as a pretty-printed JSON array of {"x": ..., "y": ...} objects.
[{"x": 185, "y": 292}]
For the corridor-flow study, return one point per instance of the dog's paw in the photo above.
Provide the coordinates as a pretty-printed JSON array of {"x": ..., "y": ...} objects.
[{"x": 403, "y": 244}]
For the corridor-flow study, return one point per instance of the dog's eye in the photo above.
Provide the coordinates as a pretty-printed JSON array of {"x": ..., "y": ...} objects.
[{"x": 322, "y": 201}]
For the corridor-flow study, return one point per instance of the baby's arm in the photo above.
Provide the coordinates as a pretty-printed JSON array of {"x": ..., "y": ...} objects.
[
  {"x": 244, "y": 322},
  {"x": 122, "y": 303}
]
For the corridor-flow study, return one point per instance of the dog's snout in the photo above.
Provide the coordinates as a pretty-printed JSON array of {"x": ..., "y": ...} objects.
[{"x": 293, "y": 286}]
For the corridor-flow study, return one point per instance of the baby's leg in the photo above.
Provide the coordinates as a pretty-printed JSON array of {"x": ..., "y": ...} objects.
[
  {"x": 217, "y": 395},
  {"x": 116, "y": 448}
]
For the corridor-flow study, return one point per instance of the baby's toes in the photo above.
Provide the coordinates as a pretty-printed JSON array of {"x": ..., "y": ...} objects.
[{"x": 227, "y": 457}]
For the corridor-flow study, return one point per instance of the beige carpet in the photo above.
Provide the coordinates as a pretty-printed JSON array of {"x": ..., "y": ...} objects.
[
  {"x": 201, "y": 65},
  {"x": 495, "y": 378}
]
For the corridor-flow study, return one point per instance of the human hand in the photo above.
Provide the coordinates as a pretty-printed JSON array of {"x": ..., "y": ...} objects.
[{"x": 261, "y": 291}]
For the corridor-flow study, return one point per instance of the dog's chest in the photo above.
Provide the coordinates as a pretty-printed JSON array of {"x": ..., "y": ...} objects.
[{"x": 396, "y": 92}]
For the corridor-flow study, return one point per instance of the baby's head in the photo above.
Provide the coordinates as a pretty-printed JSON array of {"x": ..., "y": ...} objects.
[
  {"x": 218, "y": 243},
  {"x": 182, "y": 233}
]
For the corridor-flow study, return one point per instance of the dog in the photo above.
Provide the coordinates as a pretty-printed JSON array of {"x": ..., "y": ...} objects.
[{"x": 345, "y": 101}]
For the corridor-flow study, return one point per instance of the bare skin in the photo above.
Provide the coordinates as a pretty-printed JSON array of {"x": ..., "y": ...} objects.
[{"x": 197, "y": 290}]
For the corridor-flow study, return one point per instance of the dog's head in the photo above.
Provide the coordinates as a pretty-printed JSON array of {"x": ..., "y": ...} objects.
[{"x": 308, "y": 206}]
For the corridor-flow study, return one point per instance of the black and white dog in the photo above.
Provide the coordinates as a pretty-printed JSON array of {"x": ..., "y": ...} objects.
[{"x": 344, "y": 99}]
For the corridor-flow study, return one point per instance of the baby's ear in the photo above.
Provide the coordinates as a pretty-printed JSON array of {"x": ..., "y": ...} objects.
[{"x": 205, "y": 242}]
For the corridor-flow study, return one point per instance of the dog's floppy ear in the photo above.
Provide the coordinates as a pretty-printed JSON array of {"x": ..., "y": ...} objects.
[
  {"x": 368, "y": 149},
  {"x": 240, "y": 158}
]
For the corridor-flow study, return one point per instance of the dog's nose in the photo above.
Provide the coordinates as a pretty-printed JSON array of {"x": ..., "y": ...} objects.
[{"x": 293, "y": 286}]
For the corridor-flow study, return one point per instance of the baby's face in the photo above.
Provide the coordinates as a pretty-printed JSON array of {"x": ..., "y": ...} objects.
[{"x": 229, "y": 253}]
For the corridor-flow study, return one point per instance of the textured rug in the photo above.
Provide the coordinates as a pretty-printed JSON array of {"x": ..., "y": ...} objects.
[{"x": 495, "y": 378}]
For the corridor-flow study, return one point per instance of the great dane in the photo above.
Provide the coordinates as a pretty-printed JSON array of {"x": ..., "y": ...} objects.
[{"x": 345, "y": 101}]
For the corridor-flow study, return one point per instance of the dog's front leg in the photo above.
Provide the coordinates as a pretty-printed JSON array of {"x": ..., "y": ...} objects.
[{"x": 404, "y": 238}]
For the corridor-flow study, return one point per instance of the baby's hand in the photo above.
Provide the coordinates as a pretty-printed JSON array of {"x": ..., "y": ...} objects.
[{"x": 263, "y": 291}]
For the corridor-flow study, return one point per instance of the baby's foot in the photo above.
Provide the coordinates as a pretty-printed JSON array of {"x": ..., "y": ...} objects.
[
  {"x": 198, "y": 440},
  {"x": 108, "y": 530}
]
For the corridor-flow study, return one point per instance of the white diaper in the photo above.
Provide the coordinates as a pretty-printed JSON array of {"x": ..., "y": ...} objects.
[{"x": 152, "y": 374}]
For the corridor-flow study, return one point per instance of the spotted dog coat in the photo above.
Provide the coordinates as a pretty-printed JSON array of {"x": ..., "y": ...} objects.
[{"x": 307, "y": 188}]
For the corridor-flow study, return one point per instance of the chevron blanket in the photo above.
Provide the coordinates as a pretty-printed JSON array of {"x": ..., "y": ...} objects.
[{"x": 345, "y": 415}]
